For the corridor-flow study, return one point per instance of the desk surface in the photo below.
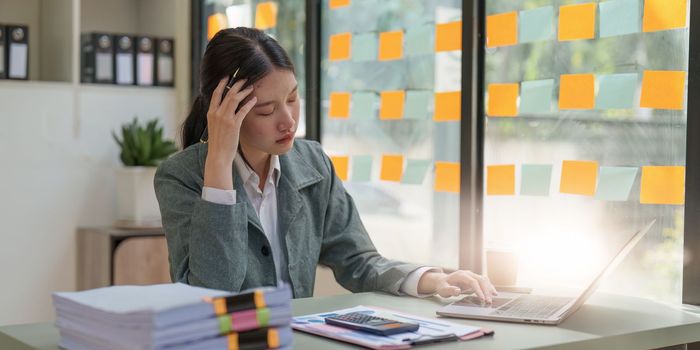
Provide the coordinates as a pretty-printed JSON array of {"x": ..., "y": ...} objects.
[{"x": 604, "y": 322}]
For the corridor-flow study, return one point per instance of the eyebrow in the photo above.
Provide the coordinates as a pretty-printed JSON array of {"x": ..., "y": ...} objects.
[{"x": 271, "y": 102}]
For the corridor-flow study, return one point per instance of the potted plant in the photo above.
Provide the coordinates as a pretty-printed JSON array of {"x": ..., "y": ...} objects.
[{"x": 142, "y": 149}]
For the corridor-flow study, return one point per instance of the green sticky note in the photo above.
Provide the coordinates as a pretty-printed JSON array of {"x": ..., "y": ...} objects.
[
  {"x": 361, "y": 168},
  {"x": 418, "y": 104},
  {"x": 615, "y": 183},
  {"x": 420, "y": 40},
  {"x": 364, "y": 47},
  {"x": 536, "y": 24},
  {"x": 415, "y": 171},
  {"x": 619, "y": 17},
  {"x": 364, "y": 105},
  {"x": 536, "y": 96},
  {"x": 616, "y": 91},
  {"x": 535, "y": 179}
]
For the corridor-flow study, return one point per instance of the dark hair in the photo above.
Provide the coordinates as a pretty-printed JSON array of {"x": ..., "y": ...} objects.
[{"x": 251, "y": 51}]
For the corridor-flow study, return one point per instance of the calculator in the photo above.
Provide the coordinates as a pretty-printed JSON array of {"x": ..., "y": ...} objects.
[{"x": 371, "y": 324}]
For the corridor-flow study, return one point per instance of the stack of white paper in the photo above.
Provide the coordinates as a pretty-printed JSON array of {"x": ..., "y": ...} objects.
[{"x": 174, "y": 316}]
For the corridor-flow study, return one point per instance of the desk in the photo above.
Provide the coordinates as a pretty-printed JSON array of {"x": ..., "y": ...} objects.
[{"x": 604, "y": 322}]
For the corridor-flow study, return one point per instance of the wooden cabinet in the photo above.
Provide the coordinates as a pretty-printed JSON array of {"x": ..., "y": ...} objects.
[{"x": 111, "y": 256}]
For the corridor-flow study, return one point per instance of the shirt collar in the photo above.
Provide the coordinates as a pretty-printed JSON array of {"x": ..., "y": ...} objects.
[{"x": 248, "y": 174}]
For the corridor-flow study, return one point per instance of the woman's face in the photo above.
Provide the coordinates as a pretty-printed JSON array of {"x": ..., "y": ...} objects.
[{"x": 270, "y": 126}]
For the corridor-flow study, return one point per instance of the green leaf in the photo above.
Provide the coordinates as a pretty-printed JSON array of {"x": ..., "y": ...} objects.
[{"x": 143, "y": 144}]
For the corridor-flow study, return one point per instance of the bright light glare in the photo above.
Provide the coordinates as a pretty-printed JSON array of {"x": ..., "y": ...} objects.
[{"x": 569, "y": 260}]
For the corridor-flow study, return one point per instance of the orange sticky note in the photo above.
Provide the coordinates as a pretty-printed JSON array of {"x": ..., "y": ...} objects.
[
  {"x": 578, "y": 177},
  {"x": 390, "y": 45},
  {"x": 577, "y": 91},
  {"x": 448, "y": 106},
  {"x": 448, "y": 36},
  {"x": 392, "y": 168},
  {"x": 334, "y": 4},
  {"x": 339, "y": 47},
  {"x": 340, "y": 163},
  {"x": 664, "y": 15},
  {"x": 577, "y": 22},
  {"x": 503, "y": 100},
  {"x": 391, "y": 105},
  {"x": 500, "y": 180},
  {"x": 502, "y": 29},
  {"x": 662, "y": 185},
  {"x": 447, "y": 177},
  {"x": 215, "y": 23},
  {"x": 340, "y": 105},
  {"x": 266, "y": 15},
  {"x": 662, "y": 89}
]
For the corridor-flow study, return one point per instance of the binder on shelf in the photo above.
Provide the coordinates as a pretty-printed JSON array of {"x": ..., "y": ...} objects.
[
  {"x": 124, "y": 56},
  {"x": 3, "y": 67},
  {"x": 145, "y": 61},
  {"x": 97, "y": 58},
  {"x": 17, "y": 52},
  {"x": 165, "y": 67}
]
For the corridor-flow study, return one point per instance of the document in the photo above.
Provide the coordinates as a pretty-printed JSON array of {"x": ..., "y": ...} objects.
[{"x": 431, "y": 330}]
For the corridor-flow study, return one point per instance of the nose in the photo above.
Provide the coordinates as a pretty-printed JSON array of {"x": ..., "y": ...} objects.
[{"x": 287, "y": 121}]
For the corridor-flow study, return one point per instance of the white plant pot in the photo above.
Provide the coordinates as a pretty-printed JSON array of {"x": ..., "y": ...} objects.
[{"x": 136, "y": 198}]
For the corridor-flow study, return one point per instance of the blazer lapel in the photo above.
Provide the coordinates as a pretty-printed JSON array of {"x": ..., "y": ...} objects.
[{"x": 296, "y": 174}]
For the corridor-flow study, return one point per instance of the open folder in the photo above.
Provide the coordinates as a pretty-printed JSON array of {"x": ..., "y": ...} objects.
[{"x": 430, "y": 330}]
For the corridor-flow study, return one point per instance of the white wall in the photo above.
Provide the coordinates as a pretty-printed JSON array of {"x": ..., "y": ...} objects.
[{"x": 53, "y": 180}]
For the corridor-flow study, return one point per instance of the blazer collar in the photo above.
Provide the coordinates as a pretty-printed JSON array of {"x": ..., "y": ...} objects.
[{"x": 296, "y": 173}]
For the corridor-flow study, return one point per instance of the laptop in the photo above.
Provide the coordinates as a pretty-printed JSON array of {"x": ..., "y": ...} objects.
[{"x": 532, "y": 308}]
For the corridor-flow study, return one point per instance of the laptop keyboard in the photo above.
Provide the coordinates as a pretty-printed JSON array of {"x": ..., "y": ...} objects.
[{"x": 532, "y": 306}]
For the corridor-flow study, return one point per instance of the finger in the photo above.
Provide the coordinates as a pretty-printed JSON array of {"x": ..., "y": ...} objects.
[
  {"x": 216, "y": 96},
  {"x": 231, "y": 103},
  {"x": 235, "y": 88},
  {"x": 479, "y": 292},
  {"x": 446, "y": 290},
  {"x": 461, "y": 280},
  {"x": 243, "y": 112},
  {"x": 486, "y": 287}
]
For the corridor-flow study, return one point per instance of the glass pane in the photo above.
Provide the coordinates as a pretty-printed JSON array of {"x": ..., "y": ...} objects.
[
  {"x": 283, "y": 20},
  {"x": 388, "y": 116},
  {"x": 585, "y": 140}
]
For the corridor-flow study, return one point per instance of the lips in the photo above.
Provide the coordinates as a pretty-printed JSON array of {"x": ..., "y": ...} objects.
[{"x": 285, "y": 139}]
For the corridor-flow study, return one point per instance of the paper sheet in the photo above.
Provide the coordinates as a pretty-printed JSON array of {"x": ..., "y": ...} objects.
[
  {"x": 447, "y": 177},
  {"x": 18, "y": 61},
  {"x": 536, "y": 24},
  {"x": 428, "y": 328},
  {"x": 577, "y": 22},
  {"x": 392, "y": 168},
  {"x": 500, "y": 180},
  {"x": 390, "y": 46},
  {"x": 535, "y": 179},
  {"x": 619, "y": 17},
  {"x": 339, "y": 105},
  {"x": 340, "y": 163},
  {"x": 361, "y": 168},
  {"x": 391, "y": 105},
  {"x": 502, "y": 29},
  {"x": 578, "y": 177},
  {"x": 663, "y": 185},
  {"x": 448, "y": 106},
  {"x": 664, "y": 15},
  {"x": 448, "y": 36}
]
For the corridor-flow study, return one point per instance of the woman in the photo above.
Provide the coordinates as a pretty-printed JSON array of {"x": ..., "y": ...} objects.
[{"x": 248, "y": 205}]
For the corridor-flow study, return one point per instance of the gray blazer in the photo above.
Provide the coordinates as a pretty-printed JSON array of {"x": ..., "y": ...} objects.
[{"x": 224, "y": 247}]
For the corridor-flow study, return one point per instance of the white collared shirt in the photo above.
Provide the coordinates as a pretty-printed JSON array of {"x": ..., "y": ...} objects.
[{"x": 265, "y": 204}]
